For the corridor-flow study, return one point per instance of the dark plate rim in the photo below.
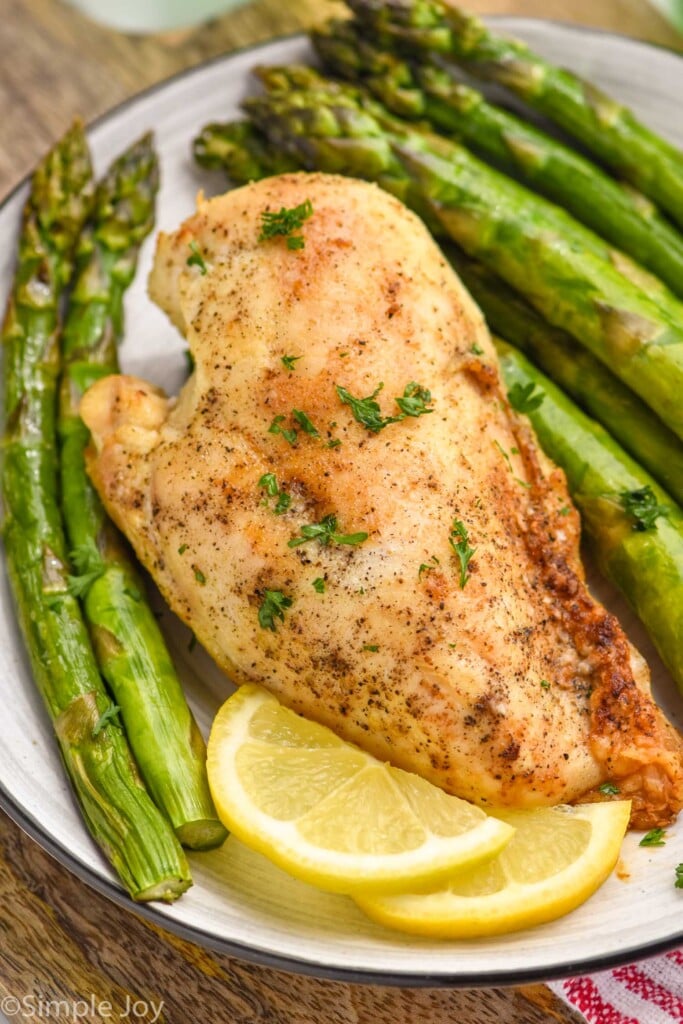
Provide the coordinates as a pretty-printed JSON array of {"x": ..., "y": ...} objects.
[{"x": 251, "y": 954}]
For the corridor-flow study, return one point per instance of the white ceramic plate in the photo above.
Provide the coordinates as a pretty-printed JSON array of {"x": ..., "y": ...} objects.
[{"x": 240, "y": 903}]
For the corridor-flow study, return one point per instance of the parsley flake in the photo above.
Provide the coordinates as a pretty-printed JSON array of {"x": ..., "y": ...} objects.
[
  {"x": 415, "y": 400},
  {"x": 459, "y": 541},
  {"x": 195, "y": 259},
  {"x": 273, "y": 606},
  {"x": 679, "y": 877},
  {"x": 371, "y": 647},
  {"x": 366, "y": 411},
  {"x": 545, "y": 685},
  {"x": 524, "y": 397},
  {"x": 305, "y": 423},
  {"x": 108, "y": 716},
  {"x": 89, "y": 566},
  {"x": 200, "y": 577},
  {"x": 319, "y": 585},
  {"x": 608, "y": 789},
  {"x": 182, "y": 549},
  {"x": 282, "y": 504},
  {"x": 655, "y": 837},
  {"x": 643, "y": 508},
  {"x": 476, "y": 350},
  {"x": 276, "y": 428},
  {"x": 326, "y": 531},
  {"x": 427, "y": 566},
  {"x": 269, "y": 483},
  {"x": 285, "y": 222},
  {"x": 289, "y": 361}
]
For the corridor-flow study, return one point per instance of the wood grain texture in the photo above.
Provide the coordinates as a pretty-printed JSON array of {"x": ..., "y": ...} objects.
[
  {"x": 62, "y": 945},
  {"x": 62, "y": 942},
  {"x": 56, "y": 64}
]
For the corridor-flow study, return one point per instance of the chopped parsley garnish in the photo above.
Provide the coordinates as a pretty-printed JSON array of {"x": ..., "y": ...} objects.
[
  {"x": 655, "y": 837},
  {"x": 282, "y": 504},
  {"x": 367, "y": 412},
  {"x": 525, "y": 397},
  {"x": 565, "y": 510},
  {"x": 326, "y": 531},
  {"x": 334, "y": 442},
  {"x": 286, "y": 222},
  {"x": 195, "y": 259},
  {"x": 272, "y": 607},
  {"x": 679, "y": 876},
  {"x": 270, "y": 485},
  {"x": 608, "y": 789},
  {"x": 305, "y": 423},
  {"x": 289, "y": 361},
  {"x": 415, "y": 400},
  {"x": 110, "y": 715},
  {"x": 200, "y": 577},
  {"x": 545, "y": 685},
  {"x": 459, "y": 541},
  {"x": 477, "y": 350},
  {"x": 643, "y": 508},
  {"x": 427, "y": 566},
  {"x": 275, "y": 428},
  {"x": 89, "y": 567},
  {"x": 319, "y": 585},
  {"x": 182, "y": 549},
  {"x": 507, "y": 458},
  {"x": 371, "y": 647}
]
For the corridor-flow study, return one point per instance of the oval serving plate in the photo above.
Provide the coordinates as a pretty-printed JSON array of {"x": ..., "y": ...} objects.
[{"x": 240, "y": 904}]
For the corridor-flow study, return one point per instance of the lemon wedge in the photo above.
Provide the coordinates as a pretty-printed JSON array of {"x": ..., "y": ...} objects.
[
  {"x": 331, "y": 814},
  {"x": 556, "y": 859}
]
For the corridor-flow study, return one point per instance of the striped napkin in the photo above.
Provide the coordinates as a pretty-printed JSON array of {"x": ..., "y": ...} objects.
[{"x": 647, "y": 992}]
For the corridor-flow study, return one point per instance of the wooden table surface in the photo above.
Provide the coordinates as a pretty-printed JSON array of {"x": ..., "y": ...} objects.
[{"x": 60, "y": 941}]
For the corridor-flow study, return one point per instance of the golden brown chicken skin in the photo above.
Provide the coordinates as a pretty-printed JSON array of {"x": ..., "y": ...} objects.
[{"x": 457, "y": 638}]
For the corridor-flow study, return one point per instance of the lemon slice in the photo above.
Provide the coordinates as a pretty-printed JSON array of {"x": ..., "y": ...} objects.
[
  {"x": 331, "y": 814},
  {"x": 556, "y": 859}
]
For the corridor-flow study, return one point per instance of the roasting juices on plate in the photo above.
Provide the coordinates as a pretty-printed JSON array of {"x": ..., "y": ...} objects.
[{"x": 346, "y": 511}]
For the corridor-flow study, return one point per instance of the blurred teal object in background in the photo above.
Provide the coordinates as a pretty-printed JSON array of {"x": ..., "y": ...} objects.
[
  {"x": 143, "y": 16},
  {"x": 672, "y": 10}
]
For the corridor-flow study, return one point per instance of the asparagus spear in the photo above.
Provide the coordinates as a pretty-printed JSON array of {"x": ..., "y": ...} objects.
[
  {"x": 239, "y": 150},
  {"x": 132, "y": 655},
  {"x": 577, "y": 372},
  {"x": 535, "y": 246},
  {"x": 634, "y": 528},
  {"x": 119, "y": 812},
  {"x": 423, "y": 89},
  {"x": 605, "y": 127}
]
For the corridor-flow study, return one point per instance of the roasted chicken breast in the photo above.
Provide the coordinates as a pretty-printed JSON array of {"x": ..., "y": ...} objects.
[{"x": 343, "y": 507}]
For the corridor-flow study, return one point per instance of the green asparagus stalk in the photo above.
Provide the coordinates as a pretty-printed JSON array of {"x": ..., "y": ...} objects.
[
  {"x": 130, "y": 648},
  {"x": 423, "y": 89},
  {"x": 578, "y": 373},
  {"x": 535, "y": 246},
  {"x": 605, "y": 127},
  {"x": 635, "y": 530},
  {"x": 120, "y": 814},
  {"x": 239, "y": 150}
]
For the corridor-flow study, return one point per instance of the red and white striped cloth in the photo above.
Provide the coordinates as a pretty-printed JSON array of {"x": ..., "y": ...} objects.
[{"x": 647, "y": 992}]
